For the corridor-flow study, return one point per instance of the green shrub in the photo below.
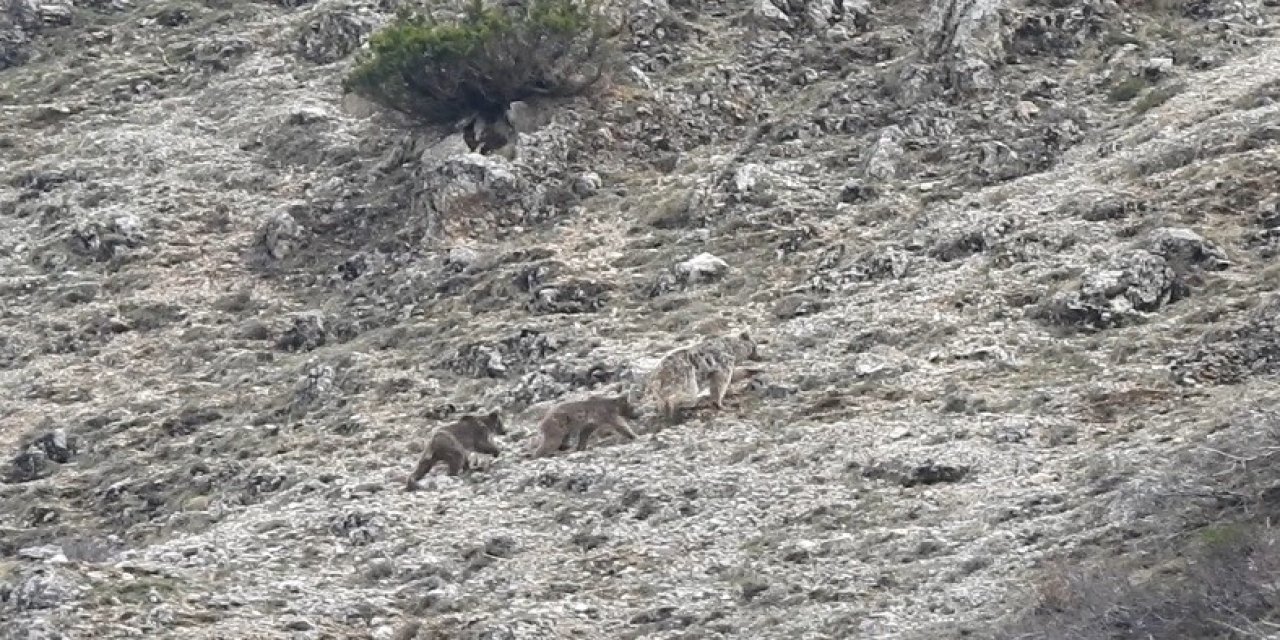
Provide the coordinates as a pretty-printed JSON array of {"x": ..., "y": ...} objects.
[
  {"x": 440, "y": 72},
  {"x": 1127, "y": 89}
]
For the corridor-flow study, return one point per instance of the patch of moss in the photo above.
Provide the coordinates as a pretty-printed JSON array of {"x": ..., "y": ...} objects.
[{"x": 1224, "y": 536}]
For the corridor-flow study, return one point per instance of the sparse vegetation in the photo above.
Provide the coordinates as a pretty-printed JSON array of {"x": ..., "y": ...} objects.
[
  {"x": 1127, "y": 89},
  {"x": 1215, "y": 579},
  {"x": 1156, "y": 97},
  {"x": 439, "y": 72},
  {"x": 1221, "y": 586}
]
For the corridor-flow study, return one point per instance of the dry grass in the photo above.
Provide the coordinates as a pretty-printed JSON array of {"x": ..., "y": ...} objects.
[
  {"x": 1217, "y": 584},
  {"x": 1213, "y": 579}
]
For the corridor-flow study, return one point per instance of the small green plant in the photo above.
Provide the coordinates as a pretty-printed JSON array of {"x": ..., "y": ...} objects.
[
  {"x": 1224, "y": 537},
  {"x": 1156, "y": 97},
  {"x": 440, "y": 72},
  {"x": 1127, "y": 89}
]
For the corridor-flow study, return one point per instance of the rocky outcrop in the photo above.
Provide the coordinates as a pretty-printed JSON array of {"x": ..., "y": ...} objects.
[
  {"x": 1120, "y": 293},
  {"x": 21, "y": 20},
  {"x": 1236, "y": 354},
  {"x": 965, "y": 39},
  {"x": 332, "y": 35}
]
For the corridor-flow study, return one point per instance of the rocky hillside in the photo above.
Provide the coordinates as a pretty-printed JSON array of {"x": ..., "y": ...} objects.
[{"x": 1015, "y": 261}]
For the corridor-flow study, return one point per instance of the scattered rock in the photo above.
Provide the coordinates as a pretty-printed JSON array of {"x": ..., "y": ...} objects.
[
  {"x": 106, "y": 241},
  {"x": 13, "y": 47},
  {"x": 461, "y": 259},
  {"x": 172, "y": 16},
  {"x": 43, "y": 587},
  {"x": 855, "y": 191},
  {"x": 358, "y": 527},
  {"x": 752, "y": 588},
  {"x": 762, "y": 387},
  {"x": 574, "y": 483},
  {"x": 57, "y": 446},
  {"x": 49, "y": 553},
  {"x": 666, "y": 618},
  {"x": 586, "y": 184},
  {"x": 1184, "y": 247},
  {"x": 21, "y": 20},
  {"x": 500, "y": 546},
  {"x": 281, "y": 235},
  {"x": 703, "y": 267},
  {"x": 883, "y": 263},
  {"x": 587, "y": 541},
  {"x": 1119, "y": 294},
  {"x": 884, "y": 159},
  {"x": 492, "y": 631},
  {"x": 355, "y": 266},
  {"x": 218, "y": 53},
  {"x": 1235, "y": 354},
  {"x": 797, "y": 305},
  {"x": 472, "y": 194},
  {"x": 315, "y": 387},
  {"x": 40, "y": 458},
  {"x": 306, "y": 332},
  {"x": 755, "y": 184},
  {"x": 915, "y": 475},
  {"x": 815, "y": 15},
  {"x": 189, "y": 419},
  {"x": 966, "y": 40},
  {"x": 649, "y": 20},
  {"x": 569, "y": 297},
  {"x": 510, "y": 355},
  {"x": 766, "y": 14},
  {"x": 332, "y": 36}
]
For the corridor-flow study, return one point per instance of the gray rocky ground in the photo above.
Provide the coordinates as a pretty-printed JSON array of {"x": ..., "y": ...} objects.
[{"x": 1015, "y": 261}]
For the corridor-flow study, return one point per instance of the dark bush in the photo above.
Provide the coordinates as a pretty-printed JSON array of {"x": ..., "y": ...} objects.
[{"x": 440, "y": 72}]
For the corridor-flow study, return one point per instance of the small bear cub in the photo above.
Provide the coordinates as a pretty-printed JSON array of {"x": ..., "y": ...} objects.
[
  {"x": 452, "y": 443},
  {"x": 579, "y": 419}
]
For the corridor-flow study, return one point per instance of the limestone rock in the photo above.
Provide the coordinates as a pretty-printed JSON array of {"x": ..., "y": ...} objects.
[
  {"x": 43, "y": 587},
  {"x": 765, "y": 13},
  {"x": 472, "y": 192},
  {"x": 281, "y": 235},
  {"x": 461, "y": 259},
  {"x": 574, "y": 295},
  {"x": 317, "y": 384},
  {"x": 883, "y": 161},
  {"x": 106, "y": 241},
  {"x": 306, "y": 331},
  {"x": 814, "y": 15},
  {"x": 1183, "y": 246},
  {"x": 703, "y": 267},
  {"x": 856, "y": 190},
  {"x": 21, "y": 20},
  {"x": 499, "y": 359},
  {"x": 911, "y": 475},
  {"x": 332, "y": 36},
  {"x": 586, "y": 184},
  {"x": 1121, "y": 293},
  {"x": 1234, "y": 354},
  {"x": 966, "y": 38}
]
